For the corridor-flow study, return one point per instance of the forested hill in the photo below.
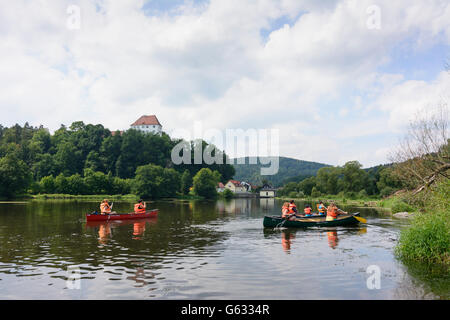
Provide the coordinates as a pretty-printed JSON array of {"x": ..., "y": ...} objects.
[{"x": 288, "y": 169}]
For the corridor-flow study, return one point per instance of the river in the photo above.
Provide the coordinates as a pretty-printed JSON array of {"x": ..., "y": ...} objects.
[{"x": 201, "y": 250}]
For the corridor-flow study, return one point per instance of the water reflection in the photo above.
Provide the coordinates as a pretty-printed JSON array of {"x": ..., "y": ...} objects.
[
  {"x": 286, "y": 240},
  {"x": 332, "y": 239},
  {"x": 198, "y": 249},
  {"x": 267, "y": 204},
  {"x": 105, "y": 228},
  {"x": 235, "y": 206},
  {"x": 104, "y": 233}
]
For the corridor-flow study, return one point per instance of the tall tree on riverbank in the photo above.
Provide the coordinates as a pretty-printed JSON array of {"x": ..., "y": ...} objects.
[
  {"x": 15, "y": 176},
  {"x": 205, "y": 183}
]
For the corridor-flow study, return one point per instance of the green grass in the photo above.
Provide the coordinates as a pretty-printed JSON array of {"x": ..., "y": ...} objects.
[{"x": 428, "y": 237}]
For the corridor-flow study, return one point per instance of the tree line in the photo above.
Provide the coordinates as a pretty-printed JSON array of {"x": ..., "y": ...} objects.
[
  {"x": 349, "y": 181},
  {"x": 90, "y": 159}
]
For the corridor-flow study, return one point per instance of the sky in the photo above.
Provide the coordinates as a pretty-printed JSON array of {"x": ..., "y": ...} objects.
[{"x": 339, "y": 80}]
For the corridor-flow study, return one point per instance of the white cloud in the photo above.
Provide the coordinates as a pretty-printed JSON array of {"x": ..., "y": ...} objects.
[{"x": 210, "y": 63}]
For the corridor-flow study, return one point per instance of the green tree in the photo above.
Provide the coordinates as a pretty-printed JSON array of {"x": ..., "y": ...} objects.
[
  {"x": 153, "y": 181},
  {"x": 354, "y": 178},
  {"x": 15, "y": 176},
  {"x": 75, "y": 184},
  {"x": 48, "y": 184},
  {"x": 327, "y": 179},
  {"x": 205, "y": 182},
  {"x": 307, "y": 185},
  {"x": 315, "y": 192},
  {"x": 45, "y": 165},
  {"x": 96, "y": 182},
  {"x": 388, "y": 181},
  {"x": 186, "y": 182},
  {"x": 61, "y": 184}
]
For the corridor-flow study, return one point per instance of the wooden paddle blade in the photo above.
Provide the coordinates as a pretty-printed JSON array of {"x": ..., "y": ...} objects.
[{"x": 360, "y": 219}]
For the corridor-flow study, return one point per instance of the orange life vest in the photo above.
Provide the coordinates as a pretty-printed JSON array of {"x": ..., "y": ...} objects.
[
  {"x": 105, "y": 208},
  {"x": 307, "y": 210},
  {"x": 291, "y": 208},
  {"x": 284, "y": 211},
  {"x": 332, "y": 212},
  {"x": 321, "y": 208},
  {"x": 138, "y": 208}
]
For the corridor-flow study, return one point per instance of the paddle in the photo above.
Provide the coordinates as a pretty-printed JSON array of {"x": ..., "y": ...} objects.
[
  {"x": 360, "y": 219},
  {"x": 357, "y": 218}
]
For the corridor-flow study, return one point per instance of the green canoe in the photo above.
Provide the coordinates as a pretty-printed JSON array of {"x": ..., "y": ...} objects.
[{"x": 314, "y": 221}]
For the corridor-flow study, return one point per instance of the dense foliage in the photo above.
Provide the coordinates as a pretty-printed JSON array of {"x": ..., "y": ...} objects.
[
  {"x": 90, "y": 159},
  {"x": 205, "y": 183},
  {"x": 349, "y": 180}
]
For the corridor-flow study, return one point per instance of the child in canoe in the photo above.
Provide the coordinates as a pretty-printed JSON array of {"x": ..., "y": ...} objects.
[
  {"x": 307, "y": 210},
  {"x": 105, "y": 208},
  {"x": 286, "y": 211}
]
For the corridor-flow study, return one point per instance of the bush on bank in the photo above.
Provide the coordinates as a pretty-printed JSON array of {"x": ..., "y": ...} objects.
[{"x": 428, "y": 237}]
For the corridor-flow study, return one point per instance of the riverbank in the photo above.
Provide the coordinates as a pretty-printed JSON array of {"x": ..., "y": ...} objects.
[
  {"x": 90, "y": 197},
  {"x": 428, "y": 237},
  {"x": 100, "y": 197}
]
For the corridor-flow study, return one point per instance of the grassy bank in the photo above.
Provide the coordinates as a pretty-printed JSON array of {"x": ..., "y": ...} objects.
[{"x": 428, "y": 237}]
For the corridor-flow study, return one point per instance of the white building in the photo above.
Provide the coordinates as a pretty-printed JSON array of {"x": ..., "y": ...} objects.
[
  {"x": 267, "y": 192},
  {"x": 148, "y": 124}
]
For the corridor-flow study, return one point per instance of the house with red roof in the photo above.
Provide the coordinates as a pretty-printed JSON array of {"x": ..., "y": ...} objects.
[
  {"x": 148, "y": 124},
  {"x": 237, "y": 186}
]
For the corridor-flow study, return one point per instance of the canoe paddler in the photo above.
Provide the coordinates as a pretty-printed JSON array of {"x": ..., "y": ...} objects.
[
  {"x": 307, "y": 210},
  {"x": 285, "y": 210},
  {"x": 333, "y": 211},
  {"x": 140, "y": 207},
  {"x": 292, "y": 208},
  {"x": 321, "y": 208},
  {"x": 105, "y": 208}
]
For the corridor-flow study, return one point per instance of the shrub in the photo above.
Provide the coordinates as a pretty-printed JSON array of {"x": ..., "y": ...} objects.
[
  {"x": 387, "y": 191},
  {"x": 362, "y": 194},
  {"x": 228, "y": 194},
  {"x": 292, "y": 194},
  {"x": 351, "y": 195},
  {"x": 315, "y": 193},
  {"x": 401, "y": 206},
  {"x": 428, "y": 238},
  {"x": 205, "y": 182}
]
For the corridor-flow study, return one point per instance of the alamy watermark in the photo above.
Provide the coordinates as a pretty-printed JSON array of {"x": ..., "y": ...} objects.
[
  {"x": 73, "y": 21},
  {"x": 258, "y": 145},
  {"x": 374, "y": 280},
  {"x": 74, "y": 278},
  {"x": 373, "y": 21}
]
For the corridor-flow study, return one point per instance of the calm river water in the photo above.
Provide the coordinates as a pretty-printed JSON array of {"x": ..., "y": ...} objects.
[{"x": 201, "y": 250}]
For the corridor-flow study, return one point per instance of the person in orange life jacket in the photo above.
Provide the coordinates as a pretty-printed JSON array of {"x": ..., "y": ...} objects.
[
  {"x": 308, "y": 210},
  {"x": 292, "y": 207},
  {"x": 105, "y": 208},
  {"x": 333, "y": 211},
  {"x": 321, "y": 208},
  {"x": 140, "y": 207},
  {"x": 285, "y": 210}
]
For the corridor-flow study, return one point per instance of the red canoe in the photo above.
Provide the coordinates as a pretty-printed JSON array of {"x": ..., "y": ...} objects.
[{"x": 119, "y": 216}]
